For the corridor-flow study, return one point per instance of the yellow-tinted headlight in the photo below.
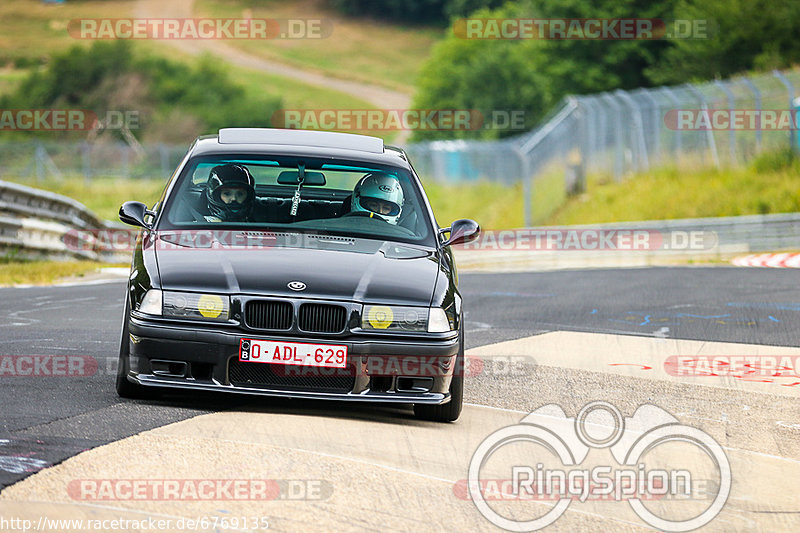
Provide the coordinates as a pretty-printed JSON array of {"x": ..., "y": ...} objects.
[
  {"x": 394, "y": 318},
  {"x": 211, "y": 307}
]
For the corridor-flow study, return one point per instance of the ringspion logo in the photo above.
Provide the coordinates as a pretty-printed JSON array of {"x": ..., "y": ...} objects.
[{"x": 546, "y": 457}]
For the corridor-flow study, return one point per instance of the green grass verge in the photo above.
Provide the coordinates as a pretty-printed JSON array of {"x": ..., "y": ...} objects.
[
  {"x": 10, "y": 78},
  {"x": 764, "y": 187},
  {"x": 35, "y": 30},
  {"x": 103, "y": 196},
  {"x": 371, "y": 51},
  {"x": 295, "y": 94},
  {"x": 494, "y": 206},
  {"x": 32, "y": 30},
  {"x": 15, "y": 272}
]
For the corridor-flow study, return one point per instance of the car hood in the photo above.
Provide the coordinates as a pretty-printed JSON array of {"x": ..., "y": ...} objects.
[{"x": 361, "y": 270}]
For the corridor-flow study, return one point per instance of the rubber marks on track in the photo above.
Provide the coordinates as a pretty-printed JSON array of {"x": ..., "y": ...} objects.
[
  {"x": 20, "y": 457},
  {"x": 740, "y": 367}
]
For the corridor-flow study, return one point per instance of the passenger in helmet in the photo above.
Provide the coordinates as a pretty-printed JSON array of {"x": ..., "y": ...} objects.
[
  {"x": 379, "y": 195},
  {"x": 230, "y": 193}
]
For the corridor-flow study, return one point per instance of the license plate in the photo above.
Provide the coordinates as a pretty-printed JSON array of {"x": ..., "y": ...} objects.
[{"x": 292, "y": 353}]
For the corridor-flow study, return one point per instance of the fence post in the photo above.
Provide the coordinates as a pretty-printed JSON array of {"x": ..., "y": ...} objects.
[
  {"x": 587, "y": 130},
  {"x": 712, "y": 144},
  {"x": 757, "y": 95},
  {"x": 85, "y": 147},
  {"x": 594, "y": 132},
  {"x": 789, "y": 89},
  {"x": 642, "y": 161},
  {"x": 39, "y": 158},
  {"x": 731, "y": 105},
  {"x": 577, "y": 169},
  {"x": 162, "y": 150},
  {"x": 126, "y": 160},
  {"x": 527, "y": 186},
  {"x": 656, "y": 123},
  {"x": 601, "y": 139},
  {"x": 618, "y": 165},
  {"x": 678, "y": 148}
]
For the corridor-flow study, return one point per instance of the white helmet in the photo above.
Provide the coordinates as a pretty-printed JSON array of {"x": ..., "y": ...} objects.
[{"x": 380, "y": 194}]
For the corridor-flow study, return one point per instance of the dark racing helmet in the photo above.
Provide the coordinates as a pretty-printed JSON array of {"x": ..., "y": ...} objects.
[{"x": 230, "y": 193}]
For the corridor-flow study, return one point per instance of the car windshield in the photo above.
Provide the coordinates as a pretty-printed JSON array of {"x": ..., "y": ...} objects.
[{"x": 298, "y": 194}]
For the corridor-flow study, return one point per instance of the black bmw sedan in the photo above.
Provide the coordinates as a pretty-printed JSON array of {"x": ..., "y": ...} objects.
[{"x": 295, "y": 263}]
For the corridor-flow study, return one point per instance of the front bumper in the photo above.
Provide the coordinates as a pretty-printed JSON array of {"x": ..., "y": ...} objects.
[{"x": 391, "y": 369}]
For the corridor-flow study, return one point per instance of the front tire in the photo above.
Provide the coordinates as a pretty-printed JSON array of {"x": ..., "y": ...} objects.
[{"x": 450, "y": 411}]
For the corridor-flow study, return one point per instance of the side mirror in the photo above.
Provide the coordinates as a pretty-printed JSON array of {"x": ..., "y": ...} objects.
[
  {"x": 133, "y": 213},
  {"x": 462, "y": 230}
]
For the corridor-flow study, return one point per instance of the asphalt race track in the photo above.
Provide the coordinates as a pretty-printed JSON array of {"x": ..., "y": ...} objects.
[{"x": 560, "y": 337}]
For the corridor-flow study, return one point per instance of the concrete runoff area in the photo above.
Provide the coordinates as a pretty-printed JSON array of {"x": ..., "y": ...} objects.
[{"x": 355, "y": 468}]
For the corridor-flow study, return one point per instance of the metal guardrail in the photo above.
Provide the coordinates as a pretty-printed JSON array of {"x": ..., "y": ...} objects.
[
  {"x": 9, "y": 232},
  {"x": 28, "y": 201},
  {"x": 749, "y": 233},
  {"x": 726, "y": 237},
  {"x": 36, "y": 223}
]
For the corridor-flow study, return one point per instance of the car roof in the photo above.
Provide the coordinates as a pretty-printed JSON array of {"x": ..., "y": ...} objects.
[{"x": 319, "y": 144}]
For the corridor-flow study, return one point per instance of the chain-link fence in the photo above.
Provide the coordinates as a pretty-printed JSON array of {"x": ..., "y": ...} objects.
[
  {"x": 720, "y": 123},
  {"x": 39, "y": 160}
]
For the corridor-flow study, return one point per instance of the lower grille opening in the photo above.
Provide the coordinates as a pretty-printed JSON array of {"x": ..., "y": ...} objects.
[
  {"x": 414, "y": 384},
  {"x": 291, "y": 377},
  {"x": 380, "y": 383},
  {"x": 170, "y": 369},
  {"x": 202, "y": 371}
]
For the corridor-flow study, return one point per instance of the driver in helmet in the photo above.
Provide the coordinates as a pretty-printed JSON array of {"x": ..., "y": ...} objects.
[
  {"x": 379, "y": 195},
  {"x": 230, "y": 193}
]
